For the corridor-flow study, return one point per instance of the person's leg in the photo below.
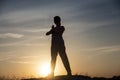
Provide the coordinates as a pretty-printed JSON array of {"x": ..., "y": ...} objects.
[
  {"x": 53, "y": 59},
  {"x": 65, "y": 61}
]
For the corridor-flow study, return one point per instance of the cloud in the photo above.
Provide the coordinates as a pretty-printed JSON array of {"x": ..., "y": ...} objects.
[
  {"x": 97, "y": 11},
  {"x": 103, "y": 49},
  {"x": 24, "y": 4},
  {"x": 33, "y": 44},
  {"x": 18, "y": 59},
  {"x": 37, "y": 30},
  {"x": 27, "y": 41},
  {"x": 4, "y": 59},
  {"x": 29, "y": 57},
  {"x": 21, "y": 62},
  {"x": 11, "y": 35}
]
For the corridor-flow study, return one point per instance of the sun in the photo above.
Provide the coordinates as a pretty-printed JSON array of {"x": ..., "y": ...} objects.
[{"x": 45, "y": 69}]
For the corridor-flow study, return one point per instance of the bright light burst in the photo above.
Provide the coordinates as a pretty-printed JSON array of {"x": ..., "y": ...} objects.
[{"x": 45, "y": 69}]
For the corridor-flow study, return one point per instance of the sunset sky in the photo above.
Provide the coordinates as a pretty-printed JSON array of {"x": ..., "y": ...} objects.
[{"x": 92, "y": 36}]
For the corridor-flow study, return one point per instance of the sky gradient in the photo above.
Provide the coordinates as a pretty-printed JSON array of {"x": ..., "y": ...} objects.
[{"x": 92, "y": 36}]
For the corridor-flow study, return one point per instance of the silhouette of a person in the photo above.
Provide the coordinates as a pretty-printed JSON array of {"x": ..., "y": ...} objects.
[{"x": 58, "y": 46}]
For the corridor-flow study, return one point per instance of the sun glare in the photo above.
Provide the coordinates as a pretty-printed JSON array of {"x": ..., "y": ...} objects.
[{"x": 45, "y": 69}]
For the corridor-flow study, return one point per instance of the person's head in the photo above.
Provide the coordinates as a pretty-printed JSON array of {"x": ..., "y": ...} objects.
[{"x": 57, "y": 20}]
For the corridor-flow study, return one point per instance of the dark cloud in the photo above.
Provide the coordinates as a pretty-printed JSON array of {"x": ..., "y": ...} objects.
[
  {"x": 106, "y": 35},
  {"x": 14, "y": 5},
  {"x": 101, "y": 12},
  {"x": 117, "y": 4},
  {"x": 97, "y": 11}
]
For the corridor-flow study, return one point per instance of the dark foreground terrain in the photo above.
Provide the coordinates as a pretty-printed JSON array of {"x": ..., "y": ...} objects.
[{"x": 75, "y": 77}]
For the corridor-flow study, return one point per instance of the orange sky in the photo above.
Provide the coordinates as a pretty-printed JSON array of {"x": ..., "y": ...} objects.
[{"x": 91, "y": 36}]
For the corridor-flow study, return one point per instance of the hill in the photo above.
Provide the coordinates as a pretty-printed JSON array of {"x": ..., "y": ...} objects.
[{"x": 75, "y": 77}]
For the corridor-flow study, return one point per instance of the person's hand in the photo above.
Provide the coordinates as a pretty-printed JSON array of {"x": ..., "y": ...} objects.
[
  {"x": 47, "y": 33},
  {"x": 53, "y": 27},
  {"x": 50, "y": 32}
]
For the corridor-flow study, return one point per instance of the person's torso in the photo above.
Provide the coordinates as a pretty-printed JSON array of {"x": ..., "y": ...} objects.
[{"x": 57, "y": 38}]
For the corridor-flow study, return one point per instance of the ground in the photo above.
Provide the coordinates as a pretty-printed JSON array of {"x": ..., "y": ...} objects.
[{"x": 75, "y": 77}]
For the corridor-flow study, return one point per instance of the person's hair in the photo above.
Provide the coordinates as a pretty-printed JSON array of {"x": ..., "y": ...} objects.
[{"x": 57, "y": 19}]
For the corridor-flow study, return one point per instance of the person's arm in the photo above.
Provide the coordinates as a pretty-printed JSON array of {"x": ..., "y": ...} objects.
[{"x": 50, "y": 32}]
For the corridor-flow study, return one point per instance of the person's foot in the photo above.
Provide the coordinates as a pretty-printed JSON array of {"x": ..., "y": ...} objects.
[{"x": 69, "y": 74}]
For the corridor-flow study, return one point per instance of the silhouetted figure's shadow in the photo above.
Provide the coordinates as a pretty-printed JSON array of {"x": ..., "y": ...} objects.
[{"x": 58, "y": 46}]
